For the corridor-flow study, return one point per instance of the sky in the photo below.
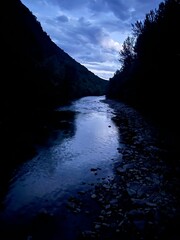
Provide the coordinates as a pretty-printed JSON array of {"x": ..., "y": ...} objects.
[{"x": 91, "y": 31}]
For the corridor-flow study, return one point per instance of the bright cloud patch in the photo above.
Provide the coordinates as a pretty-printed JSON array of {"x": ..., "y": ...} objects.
[{"x": 110, "y": 44}]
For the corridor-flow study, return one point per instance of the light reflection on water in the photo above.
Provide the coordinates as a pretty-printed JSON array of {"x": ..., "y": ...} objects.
[{"x": 60, "y": 169}]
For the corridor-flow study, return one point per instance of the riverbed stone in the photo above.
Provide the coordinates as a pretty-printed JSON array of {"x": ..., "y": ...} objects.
[{"x": 140, "y": 202}]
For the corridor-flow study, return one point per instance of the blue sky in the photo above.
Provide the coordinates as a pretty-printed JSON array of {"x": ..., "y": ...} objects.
[{"x": 91, "y": 31}]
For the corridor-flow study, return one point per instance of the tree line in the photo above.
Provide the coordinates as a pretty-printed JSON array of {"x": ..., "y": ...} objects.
[{"x": 150, "y": 61}]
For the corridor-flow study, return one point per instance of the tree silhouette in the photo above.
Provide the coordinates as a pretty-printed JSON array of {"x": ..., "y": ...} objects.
[
  {"x": 150, "y": 61},
  {"x": 127, "y": 52}
]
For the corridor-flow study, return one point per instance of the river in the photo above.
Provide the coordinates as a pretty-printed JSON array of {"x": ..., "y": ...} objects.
[{"x": 81, "y": 154}]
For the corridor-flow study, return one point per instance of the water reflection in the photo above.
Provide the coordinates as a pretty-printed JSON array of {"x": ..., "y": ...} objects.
[{"x": 59, "y": 169}]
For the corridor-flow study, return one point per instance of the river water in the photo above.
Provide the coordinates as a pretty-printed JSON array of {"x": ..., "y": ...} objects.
[{"x": 80, "y": 155}]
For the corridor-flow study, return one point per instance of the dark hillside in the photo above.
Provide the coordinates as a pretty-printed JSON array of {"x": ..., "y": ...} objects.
[
  {"x": 34, "y": 68},
  {"x": 36, "y": 76}
]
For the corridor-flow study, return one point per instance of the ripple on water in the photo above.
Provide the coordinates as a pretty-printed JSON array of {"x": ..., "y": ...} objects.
[{"x": 59, "y": 169}]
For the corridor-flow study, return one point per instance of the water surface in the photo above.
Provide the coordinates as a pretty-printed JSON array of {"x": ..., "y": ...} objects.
[{"x": 65, "y": 165}]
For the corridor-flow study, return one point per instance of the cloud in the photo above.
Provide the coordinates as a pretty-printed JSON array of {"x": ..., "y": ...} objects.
[
  {"x": 91, "y": 31},
  {"x": 105, "y": 71},
  {"x": 119, "y": 9},
  {"x": 90, "y": 43},
  {"x": 62, "y": 18},
  {"x": 110, "y": 44},
  {"x": 70, "y": 4}
]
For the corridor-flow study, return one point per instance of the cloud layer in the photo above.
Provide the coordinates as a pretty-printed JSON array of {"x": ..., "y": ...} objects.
[{"x": 91, "y": 31}]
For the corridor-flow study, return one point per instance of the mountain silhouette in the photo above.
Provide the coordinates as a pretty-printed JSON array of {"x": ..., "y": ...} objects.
[
  {"x": 36, "y": 72},
  {"x": 36, "y": 77}
]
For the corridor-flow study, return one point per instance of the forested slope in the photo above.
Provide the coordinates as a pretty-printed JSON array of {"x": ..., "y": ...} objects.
[
  {"x": 150, "y": 61},
  {"x": 36, "y": 76}
]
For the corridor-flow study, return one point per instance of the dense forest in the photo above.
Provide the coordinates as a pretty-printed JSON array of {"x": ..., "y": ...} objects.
[
  {"x": 148, "y": 77},
  {"x": 36, "y": 76}
]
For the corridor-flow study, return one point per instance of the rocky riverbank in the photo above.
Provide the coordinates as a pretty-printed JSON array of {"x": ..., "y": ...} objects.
[{"x": 141, "y": 201}]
